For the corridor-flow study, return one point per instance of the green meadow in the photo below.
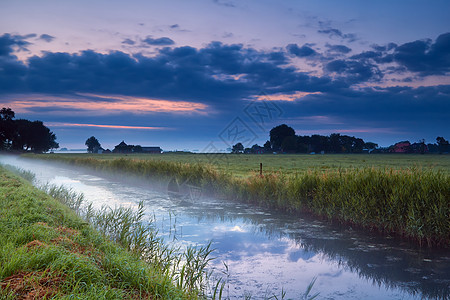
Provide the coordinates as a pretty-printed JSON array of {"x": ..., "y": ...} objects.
[
  {"x": 245, "y": 165},
  {"x": 404, "y": 195}
]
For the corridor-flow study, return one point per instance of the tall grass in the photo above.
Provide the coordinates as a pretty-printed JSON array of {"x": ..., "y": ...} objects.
[
  {"x": 40, "y": 236},
  {"x": 27, "y": 175},
  {"x": 187, "y": 268},
  {"x": 411, "y": 202}
]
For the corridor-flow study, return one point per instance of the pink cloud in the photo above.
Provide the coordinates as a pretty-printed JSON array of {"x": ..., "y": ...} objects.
[
  {"x": 59, "y": 124},
  {"x": 101, "y": 104}
]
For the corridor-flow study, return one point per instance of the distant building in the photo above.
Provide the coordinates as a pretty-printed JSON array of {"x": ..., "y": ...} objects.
[
  {"x": 98, "y": 149},
  {"x": 401, "y": 147},
  {"x": 124, "y": 148},
  {"x": 151, "y": 150}
]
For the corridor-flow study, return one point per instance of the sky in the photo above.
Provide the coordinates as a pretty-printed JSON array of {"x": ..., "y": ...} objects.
[{"x": 202, "y": 75}]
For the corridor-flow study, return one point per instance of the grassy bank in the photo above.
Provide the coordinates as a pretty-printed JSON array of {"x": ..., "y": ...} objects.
[
  {"x": 411, "y": 202},
  {"x": 46, "y": 250}
]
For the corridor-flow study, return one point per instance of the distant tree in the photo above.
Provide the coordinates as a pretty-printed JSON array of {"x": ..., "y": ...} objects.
[
  {"x": 443, "y": 144},
  {"x": 422, "y": 147},
  {"x": 278, "y": 134},
  {"x": 238, "y": 148},
  {"x": 357, "y": 145},
  {"x": 289, "y": 144},
  {"x": 267, "y": 147},
  {"x": 34, "y": 136},
  {"x": 315, "y": 143},
  {"x": 335, "y": 143},
  {"x": 7, "y": 128},
  {"x": 370, "y": 145},
  {"x": 93, "y": 145}
]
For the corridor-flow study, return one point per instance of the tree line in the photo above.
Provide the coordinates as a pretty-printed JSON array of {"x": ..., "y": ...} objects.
[
  {"x": 24, "y": 135},
  {"x": 284, "y": 140}
]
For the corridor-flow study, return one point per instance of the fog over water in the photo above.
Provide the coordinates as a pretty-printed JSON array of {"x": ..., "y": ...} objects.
[{"x": 265, "y": 251}]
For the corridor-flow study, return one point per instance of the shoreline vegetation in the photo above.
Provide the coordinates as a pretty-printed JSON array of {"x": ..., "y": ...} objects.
[
  {"x": 49, "y": 250},
  {"x": 409, "y": 201}
]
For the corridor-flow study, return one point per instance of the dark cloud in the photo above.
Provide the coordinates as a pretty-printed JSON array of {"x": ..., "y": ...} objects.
[
  {"x": 174, "y": 26},
  {"x": 278, "y": 58},
  {"x": 222, "y": 75},
  {"x": 367, "y": 55},
  {"x": 353, "y": 71},
  {"x": 338, "y": 48},
  {"x": 46, "y": 37},
  {"x": 162, "y": 41},
  {"x": 217, "y": 73},
  {"x": 303, "y": 51},
  {"x": 333, "y": 32},
  {"x": 384, "y": 48},
  {"x": 425, "y": 57},
  {"x": 9, "y": 42},
  {"x": 128, "y": 42}
]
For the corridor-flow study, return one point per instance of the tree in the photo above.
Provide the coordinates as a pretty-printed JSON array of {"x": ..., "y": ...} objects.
[
  {"x": 238, "y": 148},
  {"x": 33, "y": 136},
  {"x": 335, "y": 143},
  {"x": 442, "y": 144},
  {"x": 7, "y": 128},
  {"x": 93, "y": 144},
  {"x": 289, "y": 144},
  {"x": 370, "y": 145},
  {"x": 278, "y": 134},
  {"x": 267, "y": 147}
]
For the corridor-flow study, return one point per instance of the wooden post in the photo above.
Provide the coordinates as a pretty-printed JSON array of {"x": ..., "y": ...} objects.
[{"x": 260, "y": 169}]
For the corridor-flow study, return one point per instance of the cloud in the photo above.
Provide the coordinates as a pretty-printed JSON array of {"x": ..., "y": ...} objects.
[
  {"x": 102, "y": 104},
  {"x": 46, "y": 37},
  {"x": 384, "y": 48},
  {"x": 186, "y": 86},
  {"x": 8, "y": 42},
  {"x": 338, "y": 48},
  {"x": 303, "y": 51},
  {"x": 224, "y": 3},
  {"x": 128, "y": 42},
  {"x": 333, "y": 32},
  {"x": 425, "y": 57},
  {"x": 60, "y": 124},
  {"x": 162, "y": 41},
  {"x": 353, "y": 71}
]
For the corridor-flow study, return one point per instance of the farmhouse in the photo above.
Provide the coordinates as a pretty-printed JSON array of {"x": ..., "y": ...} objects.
[
  {"x": 151, "y": 150},
  {"x": 401, "y": 147},
  {"x": 124, "y": 148}
]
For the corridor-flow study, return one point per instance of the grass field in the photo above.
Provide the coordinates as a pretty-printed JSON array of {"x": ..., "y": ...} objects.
[
  {"x": 407, "y": 195},
  {"x": 244, "y": 165},
  {"x": 49, "y": 252}
]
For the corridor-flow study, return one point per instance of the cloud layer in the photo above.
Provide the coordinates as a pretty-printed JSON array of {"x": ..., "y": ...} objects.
[{"x": 220, "y": 78}]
